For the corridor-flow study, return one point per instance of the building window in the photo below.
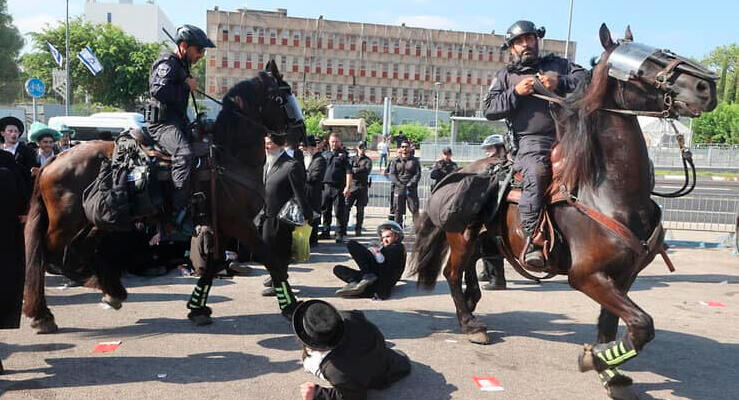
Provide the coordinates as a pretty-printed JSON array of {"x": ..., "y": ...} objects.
[
  {"x": 352, "y": 45},
  {"x": 385, "y": 46},
  {"x": 339, "y": 92},
  {"x": 283, "y": 63},
  {"x": 449, "y": 51},
  {"x": 237, "y": 33},
  {"x": 306, "y": 65},
  {"x": 395, "y": 71},
  {"x": 351, "y": 67},
  {"x": 285, "y": 36},
  {"x": 469, "y": 54},
  {"x": 396, "y": 47},
  {"x": 329, "y": 66},
  {"x": 260, "y": 36},
  {"x": 307, "y": 41},
  {"x": 272, "y": 37},
  {"x": 331, "y": 42},
  {"x": 362, "y": 70},
  {"x": 438, "y": 51},
  {"x": 385, "y": 69},
  {"x": 374, "y": 46},
  {"x": 109, "y": 17},
  {"x": 224, "y": 62},
  {"x": 296, "y": 38},
  {"x": 248, "y": 60},
  {"x": 418, "y": 50},
  {"x": 224, "y": 32},
  {"x": 364, "y": 46},
  {"x": 260, "y": 62},
  {"x": 319, "y": 42},
  {"x": 340, "y": 68},
  {"x": 233, "y": 58},
  {"x": 249, "y": 35},
  {"x": 212, "y": 62},
  {"x": 341, "y": 42}
]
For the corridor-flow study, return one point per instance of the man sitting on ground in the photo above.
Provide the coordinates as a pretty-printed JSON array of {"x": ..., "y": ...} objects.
[{"x": 380, "y": 268}]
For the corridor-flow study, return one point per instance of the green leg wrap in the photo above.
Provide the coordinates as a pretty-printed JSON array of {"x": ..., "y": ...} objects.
[
  {"x": 199, "y": 297},
  {"x": 614, "y": 376},
  {"x": 285, "y": 296},
  {"x": 613, "y": 354}
]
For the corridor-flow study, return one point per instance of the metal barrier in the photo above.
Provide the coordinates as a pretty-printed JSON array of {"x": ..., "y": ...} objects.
[{"x": 699, "y": 211}]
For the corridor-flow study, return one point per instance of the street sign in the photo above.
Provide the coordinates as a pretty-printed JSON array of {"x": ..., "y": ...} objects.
[
  {"x": 59, "y": 81},
  {"x": 35, "y": 88}
]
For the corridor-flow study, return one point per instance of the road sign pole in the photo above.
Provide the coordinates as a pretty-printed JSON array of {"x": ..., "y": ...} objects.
[{"x": 34, "y": 109}]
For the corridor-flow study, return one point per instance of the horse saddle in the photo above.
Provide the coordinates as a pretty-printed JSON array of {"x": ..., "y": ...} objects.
[{"x": 163, "y": 160}]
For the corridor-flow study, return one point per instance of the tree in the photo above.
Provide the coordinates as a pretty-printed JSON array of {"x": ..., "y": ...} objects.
[
  {"x": 415, "y": 132},
  {"x": 718, "y": 126},
  {"x": 370, "y": 117},
  {"x": 312, "y": 124},
  {"x": 11, "y": 43},
  {"x": 725, "y": 60},
  {"x": 314, "y": 105},
  {"x": 126, "y": 62}
]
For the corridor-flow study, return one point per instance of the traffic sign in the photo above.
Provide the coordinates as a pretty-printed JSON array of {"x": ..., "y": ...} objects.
[
  {"x": 35, "y": 88},
  {"x": 59, "y": 81}
]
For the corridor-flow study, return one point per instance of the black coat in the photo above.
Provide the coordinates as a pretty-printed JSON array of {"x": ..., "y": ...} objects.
[
  {"x": 167, "y": 85},
  {"x": 314, "y": 180},
  {"x": 361, "y": 170},
  {"x": 26, "y": 158},
  {"x": 362, "y": 361},
  {"x": 13, "y": 203},
  {"x": 405, "y": 172},
  {"x": 285, "y": 180}
]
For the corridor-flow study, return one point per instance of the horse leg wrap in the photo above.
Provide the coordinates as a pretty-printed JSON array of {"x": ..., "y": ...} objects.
[
  {"x": 613, "y": 354},
  {"x": 614, "y": 377},
  {"x": 285, "y": 296},
  {"x": 199, "y": 296}
]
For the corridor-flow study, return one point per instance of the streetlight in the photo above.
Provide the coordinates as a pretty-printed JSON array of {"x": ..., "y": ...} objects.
[{"x": 436, "y": 112}]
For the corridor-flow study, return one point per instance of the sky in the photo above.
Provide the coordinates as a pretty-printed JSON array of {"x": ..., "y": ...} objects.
[{"x": 688, "y": 28}]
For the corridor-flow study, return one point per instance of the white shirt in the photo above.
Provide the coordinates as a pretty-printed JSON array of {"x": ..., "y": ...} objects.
[
  {"x": 382, "y": 147},
  {"x": 42, "y": 159},
  {"x": 312, "y": 362},
  {"x": 11, "y": 150}
]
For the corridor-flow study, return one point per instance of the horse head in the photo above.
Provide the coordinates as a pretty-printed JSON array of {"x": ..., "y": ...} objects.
[{"x": 656, "y": 80}]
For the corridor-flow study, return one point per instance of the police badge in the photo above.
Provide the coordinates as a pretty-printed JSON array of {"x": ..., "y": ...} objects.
[{"x": 163, "y": 69}]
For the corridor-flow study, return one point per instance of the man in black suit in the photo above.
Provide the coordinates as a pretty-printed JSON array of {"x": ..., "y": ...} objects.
[
  {"x": 11, "y": 129},
  {"x": 346, "y": 350},
  {"x": 315, "y": 171},
  {"x": 283, "y": 180}
]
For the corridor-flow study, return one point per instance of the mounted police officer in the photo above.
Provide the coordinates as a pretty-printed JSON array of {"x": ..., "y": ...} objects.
[
  {"x": 359, "y": 189},
  {"x": 529, "y": 117},
  {"x": 170, "y": 85}
]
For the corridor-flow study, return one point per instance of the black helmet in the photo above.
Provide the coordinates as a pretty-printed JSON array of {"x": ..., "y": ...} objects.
[
  {"x": 492, "y": 141},
  {"x": 521, "y": 28},
  {"x": 194, "y": 36},
  {"x": 362, "y": 145}
]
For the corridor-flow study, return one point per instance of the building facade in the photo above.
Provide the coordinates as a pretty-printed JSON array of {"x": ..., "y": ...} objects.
[
  {"x": 351, "y": 62},
  {"x": 143, "y": 21}
]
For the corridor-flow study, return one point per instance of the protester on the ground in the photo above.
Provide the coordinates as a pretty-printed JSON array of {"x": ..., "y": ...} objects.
[
  {"x": 346, "y": 350},
  {"x": 283, "y": 181},
  {"x": 11, "y": 129},
  {"x": 443, "y": 167},
  {"x": 315, "y": 166},
  {"x": 380, "y": 267},
  {"x": 170, "y": 85},
  {"x": 359, "y": 189},
  {"x": 405, "y": 173},
  {"x": 45, "y": 138},
  {"x": 383, "y": 147},
  {"x": 529, "y": 117},
  {"x": 336, "y": 181},
  {"x": 12, "y": 206}
]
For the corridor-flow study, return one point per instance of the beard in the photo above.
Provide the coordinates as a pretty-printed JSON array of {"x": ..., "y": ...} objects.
[
  {"x": 272, "y": 156},
  {"x": 528, "y": 57}
]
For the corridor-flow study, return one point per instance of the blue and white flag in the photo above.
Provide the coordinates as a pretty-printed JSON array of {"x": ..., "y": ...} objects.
[
  {"x": 90, "y": 61},
  {"x": 56, "y": 54}
]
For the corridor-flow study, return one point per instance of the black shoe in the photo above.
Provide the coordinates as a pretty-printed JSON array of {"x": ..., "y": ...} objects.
[
  {"x": 494, "y": 286},
  {"x": 324, "y": 235},
  {"x": 348, "y": 290},
  {"x": 267, "y": 282},
  {"x": 269, "y": 292},
  {"x": 357, "y": 288},
  {"x": 534, "y": 257}
]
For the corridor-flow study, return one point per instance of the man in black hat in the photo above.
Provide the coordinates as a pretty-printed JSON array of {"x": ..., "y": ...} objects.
[
  {"x": 315, "y": 171},
  {"x": 11, "y": 129},
  {"x": 170, "y": 85},
  {"x": 346, "y": 350},
  {"x": 529, "y": 117},
  {"x": 405, "y": 173},
  {"x": 338, "y": 176},
  {"x": 283, "y": 180},
  {"x": 443, "y": 166},
  {"x": 359, "y": 190}
]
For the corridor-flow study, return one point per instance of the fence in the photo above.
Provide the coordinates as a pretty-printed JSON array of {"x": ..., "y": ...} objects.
[
  {"x": 703, "y": 210},
  {"x": 714, "y": 157}
]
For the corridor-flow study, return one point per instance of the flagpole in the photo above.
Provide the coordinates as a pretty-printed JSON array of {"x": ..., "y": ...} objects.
[{"x": 66, "y": 100}]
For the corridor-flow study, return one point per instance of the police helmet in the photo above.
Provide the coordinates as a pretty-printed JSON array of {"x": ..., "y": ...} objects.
[
  {"x": 362, "y": 145},
  {"x": 493, "y": 140},
  {"x": 194, "y": 36},
  {"x": 522, "y": 28}
]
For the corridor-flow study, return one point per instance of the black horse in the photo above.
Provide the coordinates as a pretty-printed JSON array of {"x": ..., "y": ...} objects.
[{"x": 56, "y": 216}]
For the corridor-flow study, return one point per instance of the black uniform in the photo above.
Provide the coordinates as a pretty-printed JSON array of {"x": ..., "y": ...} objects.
[
  {"x": 533, "y": 126},
  {"x": 441, "y": 169},
  {"x": 391, "y": 215},
  {"x": 167, "y": 86},
  {"x": 334, "y": 182},
  {"x": 314, "y": 188},
  {"x": 405, "y": 174},
  {"x": 359, "y": 190}
]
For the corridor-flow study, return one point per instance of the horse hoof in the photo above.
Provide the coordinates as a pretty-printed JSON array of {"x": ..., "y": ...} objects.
[
  {"x": 44, "y": 325},
  {"x": 586, "y": 359},
  {"x": 200, "y": 317},
  {"x": 115, "y": 303},
  {"x": 479, "y": 337},
  {"x": 622, "y": 392}
]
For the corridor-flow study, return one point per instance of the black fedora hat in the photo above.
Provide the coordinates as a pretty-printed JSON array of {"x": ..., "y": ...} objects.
[
  {"x": 10, "y": 120},
  {"x": 318, "y": 325}
]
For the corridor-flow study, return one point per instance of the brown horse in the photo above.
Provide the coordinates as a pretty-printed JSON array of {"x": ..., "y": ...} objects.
[
  {"x": 612, "y": 229},
  {"x": 57, "y": 226}
]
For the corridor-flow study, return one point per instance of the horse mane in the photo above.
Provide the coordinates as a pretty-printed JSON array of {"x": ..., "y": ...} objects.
[{"x": 577, "y": 130}]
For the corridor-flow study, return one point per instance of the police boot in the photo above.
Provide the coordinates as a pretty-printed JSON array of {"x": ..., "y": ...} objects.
[{"x": 534, "y": 255}]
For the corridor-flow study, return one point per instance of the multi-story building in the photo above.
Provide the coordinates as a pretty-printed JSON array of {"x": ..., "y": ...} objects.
[
  {"x": 143, "y": 21},
  {"x": 351, "y": 62}
]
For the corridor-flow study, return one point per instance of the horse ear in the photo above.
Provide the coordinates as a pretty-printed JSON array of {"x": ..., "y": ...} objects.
[
  {"x": 272, "y": 68},
  {"x": 605, "y": 37},
  {"x": 628, "y": 35}
]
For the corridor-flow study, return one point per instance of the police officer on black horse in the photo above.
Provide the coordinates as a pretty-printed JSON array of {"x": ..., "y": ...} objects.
[
  {"x": 529, "y": 117},
  {"x": 170, "y": 86}
]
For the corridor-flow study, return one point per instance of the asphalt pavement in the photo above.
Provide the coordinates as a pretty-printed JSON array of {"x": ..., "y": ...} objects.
[{"x": 250, "y": 352}]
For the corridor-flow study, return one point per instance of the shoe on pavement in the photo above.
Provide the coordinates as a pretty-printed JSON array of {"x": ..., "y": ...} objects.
[
  {"x": 324, "y": 235},
  {"x": 267, "y": 282},
  {"x": 494, "y": 286},
  {"x": 348, "y": 290},
  {"x": 269, "y": 292}
]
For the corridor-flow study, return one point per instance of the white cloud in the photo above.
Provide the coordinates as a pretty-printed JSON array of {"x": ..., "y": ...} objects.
[
  {"x": 426, "y": 21},
  {"x": 35, "y": 23}
]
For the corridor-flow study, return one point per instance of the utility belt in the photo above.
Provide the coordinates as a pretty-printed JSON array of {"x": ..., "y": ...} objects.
[{"x": 155, "y": 112}]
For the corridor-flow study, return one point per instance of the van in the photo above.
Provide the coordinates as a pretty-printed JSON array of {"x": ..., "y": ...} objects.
[{"x": 105, "y": 126}]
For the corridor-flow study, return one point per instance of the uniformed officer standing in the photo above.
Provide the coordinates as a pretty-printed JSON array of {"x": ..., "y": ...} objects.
[
  {"x": 315, "y": 171},
  {"x": 443, "y": 166},
  {"x": 336, "y": 181},
  {"x": 534, "y": 128},
  {"x": 359, "y": 190},
  {"x": 170, "y": 85},
  {"x": 405, "y": 173}
]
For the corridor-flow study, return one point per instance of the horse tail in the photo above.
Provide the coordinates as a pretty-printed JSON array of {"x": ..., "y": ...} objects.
[
  {"x": 428, "y": 252},
  {"x": 36, "y": 225}
]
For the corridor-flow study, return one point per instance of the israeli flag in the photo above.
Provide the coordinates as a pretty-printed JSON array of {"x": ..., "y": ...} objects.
[
  {"x": 56, "y": 54},
  {"x": 90, "y": 61}
]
